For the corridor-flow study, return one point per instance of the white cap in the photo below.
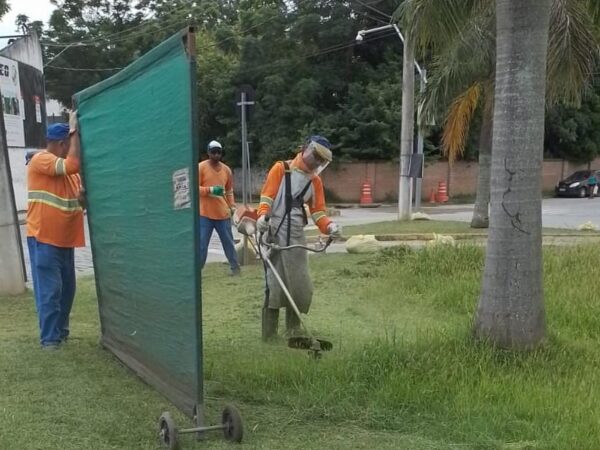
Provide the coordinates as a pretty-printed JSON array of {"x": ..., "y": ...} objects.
[{"x": 214, "y": 144}]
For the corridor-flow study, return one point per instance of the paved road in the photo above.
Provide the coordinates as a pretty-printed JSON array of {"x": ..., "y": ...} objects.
[{"x": 556, "y": 213}]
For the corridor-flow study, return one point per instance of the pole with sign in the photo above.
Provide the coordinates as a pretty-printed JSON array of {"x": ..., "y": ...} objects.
[{"x": 246, "y": 95}]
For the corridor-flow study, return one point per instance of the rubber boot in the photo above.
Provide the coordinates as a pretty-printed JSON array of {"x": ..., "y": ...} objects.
[
  {"x": 292, "y": 322},
  {"x": 270, "y": 323}
]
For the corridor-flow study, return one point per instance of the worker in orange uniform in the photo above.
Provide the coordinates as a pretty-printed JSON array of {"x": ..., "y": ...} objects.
[
  {"x": 288, "y": 187},
  {"x": 54, "y": 229},
  {"x": 216, "y": 205}
]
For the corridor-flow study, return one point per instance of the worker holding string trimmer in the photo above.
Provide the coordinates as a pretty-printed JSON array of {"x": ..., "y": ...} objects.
[{"x": 288, "y": 187}]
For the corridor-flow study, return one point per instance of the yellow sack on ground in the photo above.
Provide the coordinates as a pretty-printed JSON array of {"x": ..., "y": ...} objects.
[
  {"x": 588, "y": 226},
  {"x": 441, "y": 239},
  {"x": 363, "y": 244}
]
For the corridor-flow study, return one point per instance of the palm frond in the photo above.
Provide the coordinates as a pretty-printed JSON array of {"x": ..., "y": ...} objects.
[
  {"x": 433, "y": 22},
  {"x": 573, "y": 49},
  {"x": 458, "y": 121},
  {"x": 463, "y": 60}
]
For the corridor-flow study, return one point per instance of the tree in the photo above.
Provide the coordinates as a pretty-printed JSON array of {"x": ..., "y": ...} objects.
[
  {"x": 462, "y": 41},
  {"x": 4, "y": 7},
  {"x": 573, "y": 133},
  {"x": 511, "y": 309},
  {"x": 25, "y": 26}
]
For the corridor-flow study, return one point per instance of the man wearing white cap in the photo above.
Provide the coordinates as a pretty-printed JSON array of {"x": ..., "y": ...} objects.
[{"x": 216, "y": 204}]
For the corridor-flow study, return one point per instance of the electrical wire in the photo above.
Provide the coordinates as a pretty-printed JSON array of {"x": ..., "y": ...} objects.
[
  {"x": 94, "y": 41},
  {"x": 320, "y": 52},
  {"x": 372, "y": 8},
  {"x": 327, "y": 50}
]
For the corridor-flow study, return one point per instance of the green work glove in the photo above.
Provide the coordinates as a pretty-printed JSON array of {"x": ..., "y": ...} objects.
[{"x": 217, "y": 191}]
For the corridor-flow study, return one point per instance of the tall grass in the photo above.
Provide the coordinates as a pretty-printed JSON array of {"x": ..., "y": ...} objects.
[
  {"x": 404, "y": 372},
  {"x": 405, "y": 360}
]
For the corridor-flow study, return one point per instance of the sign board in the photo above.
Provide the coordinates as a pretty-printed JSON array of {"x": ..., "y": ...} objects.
[{"x": 12, "y": 102}]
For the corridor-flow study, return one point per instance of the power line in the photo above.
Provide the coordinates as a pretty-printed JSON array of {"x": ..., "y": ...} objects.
[
  {"x": 161, "y": 27},
  {"x": 372, "y": 8},
  {"x": 332, "y": 49},
  {"x": 94, "y": 41},
  {"x": 320, "y": 52}
]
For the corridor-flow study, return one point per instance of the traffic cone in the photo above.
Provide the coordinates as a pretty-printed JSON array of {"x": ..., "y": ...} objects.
[
  {"x": 366, "y": 197},
  {"x": 432, "y": 197},
  {"x": 442, "y": 195}
]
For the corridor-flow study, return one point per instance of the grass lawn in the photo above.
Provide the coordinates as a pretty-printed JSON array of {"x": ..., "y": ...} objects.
[
  {"x": 432, "y": 226},
  {"x": 403, "y": 374}
]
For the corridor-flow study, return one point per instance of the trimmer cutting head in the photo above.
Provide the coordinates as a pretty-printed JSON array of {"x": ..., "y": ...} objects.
[{"x": 314, "y": 345}]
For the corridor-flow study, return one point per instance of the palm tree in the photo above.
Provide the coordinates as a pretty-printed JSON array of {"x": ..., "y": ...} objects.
[
  {"x": 511, "y": 307},
  {"x": 532, "y": 41},
  {"x": 461, "y": 36}
]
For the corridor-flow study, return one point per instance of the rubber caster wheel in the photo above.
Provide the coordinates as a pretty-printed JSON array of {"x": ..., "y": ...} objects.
[
  {"x": 233, "y": 428},
  {"x": 168, "y": 431}
]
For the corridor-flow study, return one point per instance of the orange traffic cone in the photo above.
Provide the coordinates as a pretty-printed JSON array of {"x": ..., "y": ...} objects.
[
  {"x": 442, "y": 195},
  {"x": 366, "y": 197},
  {"x": 432, "y": 197}
]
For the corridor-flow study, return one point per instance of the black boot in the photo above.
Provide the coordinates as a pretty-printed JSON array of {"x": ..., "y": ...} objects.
[
  {"x": 270, "y": 323},
  {"x": 292, "y": 322}
]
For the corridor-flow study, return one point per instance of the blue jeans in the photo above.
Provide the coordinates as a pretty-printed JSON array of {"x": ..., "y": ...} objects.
[
  {"x": 53, "y": 274},
  {"x": 223, "y": 228}
]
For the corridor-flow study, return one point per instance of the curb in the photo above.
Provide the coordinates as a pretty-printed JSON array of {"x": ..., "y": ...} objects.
[{"x": 455, "y": 236}]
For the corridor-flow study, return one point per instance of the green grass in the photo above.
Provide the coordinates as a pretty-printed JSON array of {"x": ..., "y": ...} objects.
[
  {"x": 404, "y": 373},
  {"x": 432, "y": 226}
]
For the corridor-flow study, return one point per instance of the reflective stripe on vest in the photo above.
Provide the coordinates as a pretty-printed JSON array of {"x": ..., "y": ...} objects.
[{"x": 47, "y": 198}]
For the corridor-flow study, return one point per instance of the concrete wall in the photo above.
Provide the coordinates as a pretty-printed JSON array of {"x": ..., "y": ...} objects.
[
  {"x": 12, "y": 276},
  {"x": 344, "y": 180},
  {"x": 26, "y": 50},
  {"x": 19, "y": 176}
]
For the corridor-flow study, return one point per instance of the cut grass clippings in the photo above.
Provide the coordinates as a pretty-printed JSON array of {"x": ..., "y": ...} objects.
[{"x": 404, "y": 373}]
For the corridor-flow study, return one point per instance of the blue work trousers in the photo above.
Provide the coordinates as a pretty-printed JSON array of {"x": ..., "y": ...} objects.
[
  {"x": 53, "y": 274},
  {"x": 223, "y": 228}
]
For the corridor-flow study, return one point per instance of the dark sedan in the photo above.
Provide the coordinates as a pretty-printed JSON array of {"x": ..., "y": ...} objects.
[{"x": 576, "y": 184}]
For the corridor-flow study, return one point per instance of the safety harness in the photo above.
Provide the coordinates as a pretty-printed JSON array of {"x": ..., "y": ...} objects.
[{"x": 292, "y": 202}]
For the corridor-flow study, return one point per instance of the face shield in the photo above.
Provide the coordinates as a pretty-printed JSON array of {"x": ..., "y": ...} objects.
[{"x": 317, "y": 157}]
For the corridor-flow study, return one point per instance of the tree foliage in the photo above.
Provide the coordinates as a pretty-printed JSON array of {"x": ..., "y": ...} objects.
[
  {"x": 574, "y": 133},
  {"x": 299, "y": 56}
]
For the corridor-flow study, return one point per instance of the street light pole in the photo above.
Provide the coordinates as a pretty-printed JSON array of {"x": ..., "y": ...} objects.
[{"x": 422, "y": 86}]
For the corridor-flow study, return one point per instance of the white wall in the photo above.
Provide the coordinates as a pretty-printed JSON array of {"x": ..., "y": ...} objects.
[{"x": 19, "y": 176}]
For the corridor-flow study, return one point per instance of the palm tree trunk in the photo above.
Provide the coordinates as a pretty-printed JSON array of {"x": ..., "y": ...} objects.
[
  {"x": 511, "y": 308},
  {"x": 481, "y": 217}
]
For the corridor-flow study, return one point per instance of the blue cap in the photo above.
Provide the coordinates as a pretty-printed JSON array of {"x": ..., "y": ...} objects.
[
  {"x": 57, "y": 132},
  {"x": 319, "y": 140}
]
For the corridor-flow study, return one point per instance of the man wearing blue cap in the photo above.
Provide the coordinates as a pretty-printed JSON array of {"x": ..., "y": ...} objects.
[{"x": 54, "y": 229}]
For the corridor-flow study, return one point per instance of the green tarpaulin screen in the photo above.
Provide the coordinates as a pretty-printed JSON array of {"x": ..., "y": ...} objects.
[{"x": 140, "y": 160}]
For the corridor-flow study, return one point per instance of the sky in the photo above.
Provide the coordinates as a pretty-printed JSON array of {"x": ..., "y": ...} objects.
[{"x": 35, "y": 9}]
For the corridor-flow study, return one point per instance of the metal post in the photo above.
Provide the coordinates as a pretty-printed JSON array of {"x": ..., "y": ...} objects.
[
  {"x": 244, "y": 174},
  {"x": 245, "y": 167},
  {"x": 419, "y": 181}
]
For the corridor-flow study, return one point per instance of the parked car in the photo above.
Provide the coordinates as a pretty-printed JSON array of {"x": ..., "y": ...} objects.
[{"x": 576, "y": 184}]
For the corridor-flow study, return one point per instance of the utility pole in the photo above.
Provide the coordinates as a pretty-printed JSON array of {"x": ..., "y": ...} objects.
[
  {"x": 407, "y": 132},
  {"x": 405, "y": 191}
]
